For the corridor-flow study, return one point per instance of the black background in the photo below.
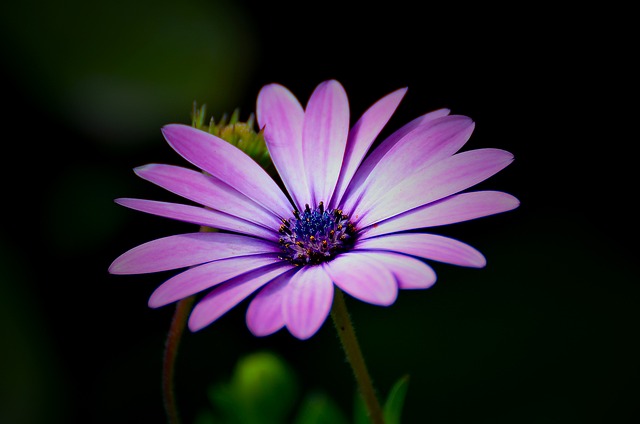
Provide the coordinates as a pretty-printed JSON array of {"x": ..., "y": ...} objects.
[{"x": 546, "y": 333}]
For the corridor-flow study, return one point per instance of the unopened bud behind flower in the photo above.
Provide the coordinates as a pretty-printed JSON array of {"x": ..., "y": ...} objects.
[{"x": 238, "y": 133}]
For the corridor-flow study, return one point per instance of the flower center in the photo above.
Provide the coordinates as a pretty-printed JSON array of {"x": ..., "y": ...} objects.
[{"x": 314, "y": 236}]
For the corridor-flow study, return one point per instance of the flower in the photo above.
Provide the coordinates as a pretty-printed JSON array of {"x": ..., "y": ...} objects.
[{"x": 350, "y": 220}]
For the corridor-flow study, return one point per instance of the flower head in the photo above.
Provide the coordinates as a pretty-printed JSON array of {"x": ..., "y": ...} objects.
[{"x": 349, "y": 219}]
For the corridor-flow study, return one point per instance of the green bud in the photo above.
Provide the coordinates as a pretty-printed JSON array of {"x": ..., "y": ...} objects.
[
  {"x": 263, "y": 390},
  {"x": 240, "y": 134}
]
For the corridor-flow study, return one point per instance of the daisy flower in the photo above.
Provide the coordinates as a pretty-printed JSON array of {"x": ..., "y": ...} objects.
[{"x": 347, "y": 218}]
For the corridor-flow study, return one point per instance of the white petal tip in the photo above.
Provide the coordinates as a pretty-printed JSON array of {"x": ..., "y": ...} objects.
[
  {"x": 196, "y": 324},
  {"x": 302, "y": 336},
  {"x": 389, "y": 301},
  {"x": 113, "y": 269},
  {"x": 261, "y": 332},
  {"x": 156, "y": 301},
  {"x": 118, "y": 268},
  {"x": 480, "y": 262},
  {"x": 139, "y": 170}
]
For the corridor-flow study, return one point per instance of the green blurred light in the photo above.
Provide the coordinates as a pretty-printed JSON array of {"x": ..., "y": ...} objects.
[{"x": 119, "y": 70}]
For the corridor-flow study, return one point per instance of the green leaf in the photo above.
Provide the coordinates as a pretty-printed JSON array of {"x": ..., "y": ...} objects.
[
  {"x": 392, "y": 409},
  {"x": 360, "y": 414},
  {"x": 395, "y": 401},
  {"x": 317, "y": 408}
]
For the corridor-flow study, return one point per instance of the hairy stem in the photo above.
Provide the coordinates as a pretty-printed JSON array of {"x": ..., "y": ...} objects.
[
  {"x": 183, "y": 307},
  {"x": 347, "y": 335}
]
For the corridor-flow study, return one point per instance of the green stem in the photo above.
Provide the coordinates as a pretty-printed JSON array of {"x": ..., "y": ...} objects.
[
  {"x": 347, "y": 335},
  {"x": 183, "y": 307}
]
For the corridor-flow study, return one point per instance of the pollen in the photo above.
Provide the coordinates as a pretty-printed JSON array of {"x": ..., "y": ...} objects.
[{"x": 317, "y": 235}]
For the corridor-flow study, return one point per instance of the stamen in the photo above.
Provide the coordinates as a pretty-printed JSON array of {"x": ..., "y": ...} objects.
[{"x": 315, "y": 235}]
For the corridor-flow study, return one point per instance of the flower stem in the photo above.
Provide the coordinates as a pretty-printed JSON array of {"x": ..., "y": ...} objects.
[
  {"x": 183, "y": 307},
  {"x": 347, "y": 335}
]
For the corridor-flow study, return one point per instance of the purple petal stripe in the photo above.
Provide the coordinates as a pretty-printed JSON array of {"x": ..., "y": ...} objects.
[
  {"x": 207, "y": 191},
  {"x": 452, "y": 209},
  {"x": 429, "y": 246},
  {"x": 307, "y": 301},
  {"x": 421, "y": 148},
  {"x": 281, "y": 116},
  {"x": 199, "y": 216},
  {"x": 447, "y": 177},
  {"x": 362, "y": 135},
  {"x": 264, "y": 315},
  {"x": 202, "y": 277},
  {"x": 324, "y": 137},
  {"x": 224, "y": 297},
  {"x": 229, "y": 164},
  {"x": 379, "y": 152},
  {"x": 359, "y": 275},
  {"x": 183, "y": 250},
  {"x": 409, "y": 272}
]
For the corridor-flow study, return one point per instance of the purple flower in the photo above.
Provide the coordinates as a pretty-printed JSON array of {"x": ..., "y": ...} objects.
[{"x": 350, "y": 219}]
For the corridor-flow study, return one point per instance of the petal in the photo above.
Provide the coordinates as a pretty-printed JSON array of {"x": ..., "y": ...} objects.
[
  {"x": 207, "y": 191},
  {"x": 429, "y": 246},
  {"x": 379, "y": 152},
  {"x": 307, "y": 301},
  {"x": 324, "y": 137},
  {"x": 281, "y": 116},
  {"x": 358, "y": 274},
  {"x": 202, "y": 277},
  {"x": 409, "y": 272},
  {"x": 229, "y": 164},
  {"x": 264, "y": 315},
  {"x": 199, "y": 216},
  {"x": 362, "y": 135},
  {"x": 185, "y": 250},
  {"x": 221, "y": 299},
  {"x": 445, "y": 178},
  {"x": 419, "y": 149},
  {"x": 456, "y": 208}
]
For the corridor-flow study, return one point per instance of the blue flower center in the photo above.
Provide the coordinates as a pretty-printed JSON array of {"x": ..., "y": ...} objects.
[{"x": 315, "y": 235}]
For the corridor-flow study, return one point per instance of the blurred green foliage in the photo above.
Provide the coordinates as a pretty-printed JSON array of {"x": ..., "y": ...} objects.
[
  {"x": 118, "y": 70},
  {"x": 264, "y": 390}
]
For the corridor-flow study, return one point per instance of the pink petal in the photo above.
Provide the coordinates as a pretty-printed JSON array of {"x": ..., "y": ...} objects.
[
  {"x": 419, "y": 149},
  {"x": 229, "y": 164},
  {"x": 409, "y": 272},
  {"x": 281, "y": 116},
  {"x": 445, "y": 178},
  {"x": 429, "y": 246},
  {"x": 324, "y": 137},
  {"x": 221, "y": 299},
  {"x": 308, "y": 301},
  {"x": 199, "y": 216},
  {"x": 207, "y": 191},
  {"x": 185, "y": 250},
  {"x": 362, "y": 135},
  {"x": 358, "y": 274},
  {"x": 353, "y": 189},
  {"x": 456, "y": 208},
  {"x": 264, "y": 315},
  {"x": 202, "y": 277}
]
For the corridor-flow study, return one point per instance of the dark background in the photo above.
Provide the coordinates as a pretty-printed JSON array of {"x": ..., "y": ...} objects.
[{"x": 547, "y": 332}]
